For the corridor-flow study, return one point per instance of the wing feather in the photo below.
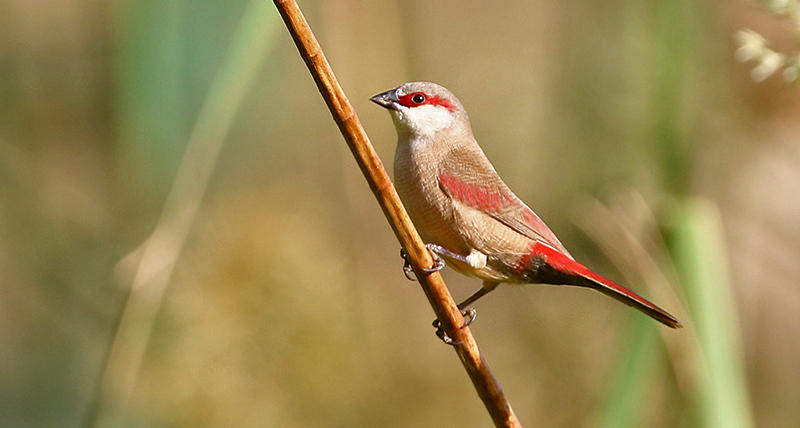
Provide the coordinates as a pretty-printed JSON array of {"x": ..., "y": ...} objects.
[{"x": 471, "y": 179}]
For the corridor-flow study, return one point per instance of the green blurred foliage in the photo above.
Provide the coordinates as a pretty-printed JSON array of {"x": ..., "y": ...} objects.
[{"x": 287, "y": 306}]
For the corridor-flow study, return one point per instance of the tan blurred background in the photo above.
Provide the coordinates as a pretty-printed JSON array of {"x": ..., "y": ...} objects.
[{"x": 286, "y": 305}]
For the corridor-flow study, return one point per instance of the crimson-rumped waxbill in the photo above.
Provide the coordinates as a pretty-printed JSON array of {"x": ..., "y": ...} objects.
[{"x": 464, "y": 210}]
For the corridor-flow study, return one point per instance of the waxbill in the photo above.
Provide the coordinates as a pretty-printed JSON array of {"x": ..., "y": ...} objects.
[{"x": 464, "y": 210}]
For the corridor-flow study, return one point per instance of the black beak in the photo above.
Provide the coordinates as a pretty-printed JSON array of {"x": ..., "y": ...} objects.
[{"x": 387, "y": 99}]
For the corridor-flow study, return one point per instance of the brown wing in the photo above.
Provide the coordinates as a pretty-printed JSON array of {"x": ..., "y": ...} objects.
[{"x": 469, "y": 177}]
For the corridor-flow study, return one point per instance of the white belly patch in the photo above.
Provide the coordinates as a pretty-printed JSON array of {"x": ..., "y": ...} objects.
[{"x": 476, "y": 259}]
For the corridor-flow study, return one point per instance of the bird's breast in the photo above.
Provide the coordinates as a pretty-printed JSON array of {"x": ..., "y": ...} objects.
[{"x": 415, "y": 174}]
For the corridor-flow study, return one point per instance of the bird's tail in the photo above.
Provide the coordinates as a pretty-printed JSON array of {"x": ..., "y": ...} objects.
[{"x": 560, "y": 269}]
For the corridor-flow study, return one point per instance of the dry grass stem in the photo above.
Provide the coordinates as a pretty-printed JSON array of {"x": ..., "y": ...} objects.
[{"x": 434, "y": 287}]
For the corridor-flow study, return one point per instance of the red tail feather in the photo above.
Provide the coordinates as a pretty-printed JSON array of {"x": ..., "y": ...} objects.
[{"x": 549, "y": 266}]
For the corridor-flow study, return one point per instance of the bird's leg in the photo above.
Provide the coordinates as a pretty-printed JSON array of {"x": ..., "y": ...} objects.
[
  {"x": 438, "y": 262},
  {"x": 488, "y": 286},
  {"x": 477, "y": 260},
  {"x": 469, "y": 314},
  {"x": 437, "y": 251}
]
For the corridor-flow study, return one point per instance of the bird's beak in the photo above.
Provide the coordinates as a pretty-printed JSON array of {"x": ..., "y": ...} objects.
[{"x": 387, "y": 99}]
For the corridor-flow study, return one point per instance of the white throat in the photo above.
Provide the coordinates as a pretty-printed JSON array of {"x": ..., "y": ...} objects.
[{"x": 422, "y": 121}]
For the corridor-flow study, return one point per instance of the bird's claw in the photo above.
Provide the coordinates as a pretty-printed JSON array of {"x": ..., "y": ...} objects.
[
  {"x": 447, "y": 339},
  {"x": 469, "y": 315},
  {"x": 438, "y": 261},
  {"x": 408, "y": 271}
]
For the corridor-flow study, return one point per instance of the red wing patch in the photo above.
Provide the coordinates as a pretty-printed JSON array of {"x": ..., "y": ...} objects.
[
  {"x": 474, "y": 195},
  {"x": 500, "y": 205}
]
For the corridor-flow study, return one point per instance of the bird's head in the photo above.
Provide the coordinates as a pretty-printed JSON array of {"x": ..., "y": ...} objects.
[{"x": 421, "y": 109}]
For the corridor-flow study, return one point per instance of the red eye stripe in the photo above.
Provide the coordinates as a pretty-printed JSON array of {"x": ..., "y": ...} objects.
[{"x": 406, "y": 100}]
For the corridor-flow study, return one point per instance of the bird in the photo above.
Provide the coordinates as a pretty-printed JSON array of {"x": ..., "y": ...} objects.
[{"x": 464, "y": 211}]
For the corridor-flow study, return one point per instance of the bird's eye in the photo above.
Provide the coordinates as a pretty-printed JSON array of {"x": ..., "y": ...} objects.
[{"x": 418, "y": 98}]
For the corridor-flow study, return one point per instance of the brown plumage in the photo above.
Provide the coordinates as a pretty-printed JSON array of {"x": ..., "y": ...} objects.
[{"x": 458, "y": 202}]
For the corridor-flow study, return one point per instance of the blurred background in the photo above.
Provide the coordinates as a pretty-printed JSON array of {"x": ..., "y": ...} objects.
[{"x": 186, "y": 241}]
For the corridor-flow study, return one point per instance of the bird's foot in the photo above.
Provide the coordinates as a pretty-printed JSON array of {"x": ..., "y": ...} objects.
[
  {"x": 469, "y": 315},
  {"x": 445, "y": 338},
  {"x": 408, "y": 271},
  {"x": 438, "y": 262}
]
